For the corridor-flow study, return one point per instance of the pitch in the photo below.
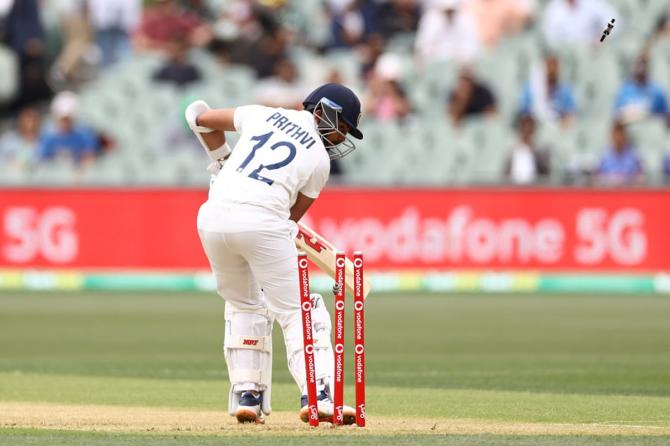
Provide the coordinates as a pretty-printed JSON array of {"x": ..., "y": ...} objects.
[{"x": 147, "y": 369}]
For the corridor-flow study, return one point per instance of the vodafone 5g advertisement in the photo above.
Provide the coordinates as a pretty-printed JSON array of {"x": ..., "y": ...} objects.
[{"x": 439, "y": 229}]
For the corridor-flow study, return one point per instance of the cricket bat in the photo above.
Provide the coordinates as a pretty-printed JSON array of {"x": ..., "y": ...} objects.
[{"x": 322, "y": 253}]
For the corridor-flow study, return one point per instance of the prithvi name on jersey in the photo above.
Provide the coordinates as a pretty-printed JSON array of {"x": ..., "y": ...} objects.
[{"x": 291, "y": 129}]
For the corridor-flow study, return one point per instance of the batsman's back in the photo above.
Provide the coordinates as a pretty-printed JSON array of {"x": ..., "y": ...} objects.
[{"x": 279, "y": 154}]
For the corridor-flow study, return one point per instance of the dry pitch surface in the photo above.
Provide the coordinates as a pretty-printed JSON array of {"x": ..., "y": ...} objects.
[{"x": 98, "y": 418}]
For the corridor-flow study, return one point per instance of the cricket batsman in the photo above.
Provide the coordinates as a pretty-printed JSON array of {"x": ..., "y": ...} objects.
[{"x": 247, "y": 229}]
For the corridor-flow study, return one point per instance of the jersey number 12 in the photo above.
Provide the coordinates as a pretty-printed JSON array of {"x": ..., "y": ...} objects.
[{"x": 262, "y": 140}]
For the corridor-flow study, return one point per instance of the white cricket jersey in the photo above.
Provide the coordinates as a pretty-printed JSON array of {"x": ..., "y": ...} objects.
[{"x": 279, "y": 154}]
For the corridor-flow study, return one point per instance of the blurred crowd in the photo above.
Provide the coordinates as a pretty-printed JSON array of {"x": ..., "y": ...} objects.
[{"x": 50, "y": 50}]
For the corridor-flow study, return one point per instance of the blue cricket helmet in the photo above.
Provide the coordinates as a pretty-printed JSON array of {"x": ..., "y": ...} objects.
[{"x": 342, "y": 97}]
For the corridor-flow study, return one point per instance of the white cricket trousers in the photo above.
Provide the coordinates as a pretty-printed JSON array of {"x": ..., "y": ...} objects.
[{"x": 253, "y": 257}]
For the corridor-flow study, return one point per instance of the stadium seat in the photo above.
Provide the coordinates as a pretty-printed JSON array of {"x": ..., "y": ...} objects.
[
  {"x": 401, "y": 43},
  {"x": 493, "y": 144},
  {"x": 651, "y": 140},
  {"x": 502, "y": 73},
  {"x": 55, "y": 173},
  {"x": 432, "y": 87},
  {"x": 347, "y": 63},
  {"x": 110, "y": 170},
  {"x": 11, "y": 176},
  {"x": 659, "y": 65},
  {"x": 596, "y": 76},
  {"x": 142, "y": 115}
]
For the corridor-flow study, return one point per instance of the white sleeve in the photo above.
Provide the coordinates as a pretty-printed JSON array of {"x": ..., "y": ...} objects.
[
  {"x": 130, "y": 15},
  {"x": 317, "y": 181},
  {"x": 469, "y": 45},
  {"x": 424, "y": 43},
  {"x": 247, "y": 112},
  {"x": 550, "y": 24}
]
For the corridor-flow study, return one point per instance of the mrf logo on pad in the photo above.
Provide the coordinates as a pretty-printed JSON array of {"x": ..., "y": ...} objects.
[{"x": 250, "y": 342}]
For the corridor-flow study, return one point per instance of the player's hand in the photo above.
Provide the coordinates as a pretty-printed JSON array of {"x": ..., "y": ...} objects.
[
  {"x": 293, "y": 228},
  {"x": 195, "y": 109},
  {"x": 215, "y": 167}
]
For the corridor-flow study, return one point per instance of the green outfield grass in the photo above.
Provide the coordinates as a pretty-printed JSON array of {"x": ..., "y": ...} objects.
[{"x": 532, "y": 370}]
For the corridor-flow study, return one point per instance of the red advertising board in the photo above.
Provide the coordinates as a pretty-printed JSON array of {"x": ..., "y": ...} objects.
[{"x": 441, "y": 229}]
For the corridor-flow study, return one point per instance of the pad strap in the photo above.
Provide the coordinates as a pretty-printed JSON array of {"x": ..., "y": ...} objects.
[
  {"x": 321, "y": 342},
  {"x": 247, "y": 376},
  {"x": 262, "y": 343},
  {"x": 263, "y": 312}
]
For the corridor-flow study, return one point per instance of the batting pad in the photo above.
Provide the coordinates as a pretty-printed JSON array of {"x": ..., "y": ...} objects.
[
  {"x": 323, "y": 348},
  {"x": 248, "y": 350}
]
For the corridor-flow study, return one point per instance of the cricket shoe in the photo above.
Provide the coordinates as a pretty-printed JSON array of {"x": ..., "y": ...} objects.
[
  {"x": 326, "y": 410},
  {"x": 249, "y": 408}
]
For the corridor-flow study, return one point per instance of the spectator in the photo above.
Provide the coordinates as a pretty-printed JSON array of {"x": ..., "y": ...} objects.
[
  {"x": 18, "y": 146},
  {"x": 662, "y": 29},
  {"x": 9, "y": 81},
  {"x": 76, "y": 32},
  {"x": 579, "y": 22},
  {"x": 67, "y": 141},
  {"x": 257, "y": 38},
  {"x": 387, "y": 101},
  {"x": 162, "y": 22},
  {"x": 546, "y": 97},
  {"x": 334, "y": 75},
  {"x": 496, "y": 19},
  {"x": 24, "y": 34},
  {"x": 620, "y": 165},
  {"x": 352, "y": 22},
  {"x": 639, "y": 97},
  {"x": 283, "y": 89},
  {"x": 5, "y": 8},
  {"x": 446, "y": 33},
  {"x": 368, "y": 54},
  {"x": 470, "y": 98},
  {"x": 177, "y": 69},
  {"x": 221, "y": 49},
  {"x": 270, "y": 47},
  {"x": 113, "y": 22},
  {"x": 527, "y": 163},
  {"x": 398, "y": 16}
]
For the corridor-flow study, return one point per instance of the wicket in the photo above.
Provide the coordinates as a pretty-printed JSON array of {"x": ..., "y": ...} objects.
[
  {"x": 338, "y": 397},
  {"x": 308, "y": 341},
  {"x": 359, "y": 338}
]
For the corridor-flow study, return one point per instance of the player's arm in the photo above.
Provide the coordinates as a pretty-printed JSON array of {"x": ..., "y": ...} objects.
[
  {"x": 209, "y": 126},
  {"x": 217, "y": 119},
  {"x": 311, "y": 190},
  {"x": 301, "y": 205}
]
